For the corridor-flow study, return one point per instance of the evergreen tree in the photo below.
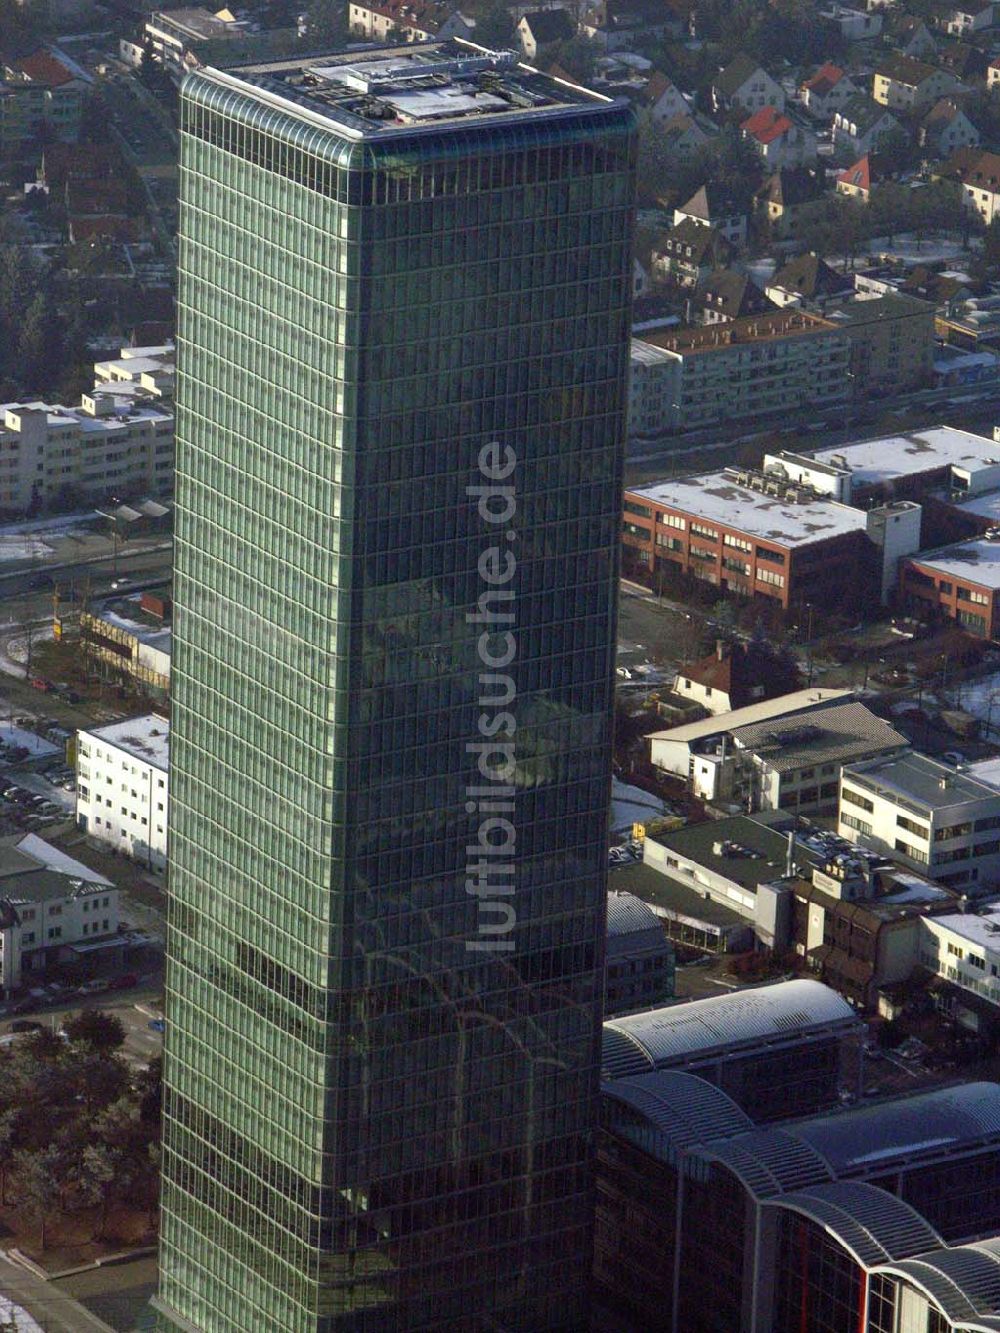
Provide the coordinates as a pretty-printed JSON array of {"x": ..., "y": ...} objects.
[{"x": 40, "y": 343}]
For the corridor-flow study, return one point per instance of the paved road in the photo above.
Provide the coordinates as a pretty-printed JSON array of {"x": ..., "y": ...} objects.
[
  {"x": 53, "y": 1309},
  {"x": 141, "y": 567},
  {"x": 843, "y": 423}
]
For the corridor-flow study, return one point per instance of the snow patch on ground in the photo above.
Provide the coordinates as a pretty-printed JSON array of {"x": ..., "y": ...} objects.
[
  {"x": 22, "y": 1321},
  {"x": 974, "y": 697},
  {"x": 631, "y": 805},
  {"x": 36, "y": 747},
  {"x": 22, "y": 547}
]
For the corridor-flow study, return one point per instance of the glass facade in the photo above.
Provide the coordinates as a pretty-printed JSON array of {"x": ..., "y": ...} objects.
[
  {"x": 818, "y": 1285},
  {"x": 381, "y": 1088}
]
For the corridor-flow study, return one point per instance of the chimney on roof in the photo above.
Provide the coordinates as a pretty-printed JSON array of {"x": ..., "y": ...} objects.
[{"x": 720, "y": 649}]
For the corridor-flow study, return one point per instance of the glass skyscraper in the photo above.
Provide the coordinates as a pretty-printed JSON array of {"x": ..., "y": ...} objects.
[{"x": 403, "y": 342}]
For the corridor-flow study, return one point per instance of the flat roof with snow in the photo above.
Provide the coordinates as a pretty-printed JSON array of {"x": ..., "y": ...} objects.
[
  {"x": 986, "y": 505},
  {"x": 718, "y": 499},
  {"x": 890, "y": 457},
  {"x": 980, "y": 927},
  {"x": 146, "y": 738},
  {"x": 925, "y": 781},
  {"x": 970, "y": 562}
]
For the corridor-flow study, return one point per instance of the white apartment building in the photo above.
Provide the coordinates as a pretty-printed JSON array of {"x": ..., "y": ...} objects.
[
  {"x": 964, "y": 948},
  {"x": 121, "y": 787},
  {"x": 938, "y": 819},
  {"x": 51, "y": 907},
  {"x": 118, "y": 441}
]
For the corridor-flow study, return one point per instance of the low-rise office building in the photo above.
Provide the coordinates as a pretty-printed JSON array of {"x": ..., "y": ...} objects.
[
  {"x": 797, "y": 766},
  {"x": 909, "y": 466},
  {"x": 770, "y": 533},
  {"x": 687, "y": 916},
  {"x": 940, "y": 820},
  {"x": 959, "y": 582},
  {"x": 727, "y": 862},
  {"x": 639, "y": 963},
  {"x": 859, "y": 922},
  {"x": 130, "y": 642},
  {"x": 122, "y": 787},
  {"x": 52, "y": 908},
  {"x": 750, "y": 534},
  {"x": 963, "y": 948}
]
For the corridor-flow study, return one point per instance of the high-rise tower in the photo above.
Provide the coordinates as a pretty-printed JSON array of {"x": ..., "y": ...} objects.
[{"x": 403, "y": 341}]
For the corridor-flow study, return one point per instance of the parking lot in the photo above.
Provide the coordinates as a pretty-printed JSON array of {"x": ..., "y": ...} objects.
[
  {"x": 138, "y": 1006},
  {"x": 36, "y": 793}
]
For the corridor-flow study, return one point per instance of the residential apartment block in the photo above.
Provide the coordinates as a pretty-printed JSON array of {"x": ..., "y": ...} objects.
[
  {"x": 963, "y": 949},
  {"x": 764, "y": 364},
  {"x": 41, "y": 94},
  {"x": 905, "y": 84},
  {"x": 944, "y": 822},
  {"x": 892, "y": 342},
  {"x": 119, "y": 440},
  {"x": 122, "y": 786},
  {"x": 412, "y": 20},
  {"x": 748, "y": 534},
  {"x": 52, "y": 908},
  {"x": 750, "y": 367}
]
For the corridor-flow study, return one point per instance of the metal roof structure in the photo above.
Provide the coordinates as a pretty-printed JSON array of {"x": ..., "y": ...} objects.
[
  {"x": 865, "y": 1139},
  {"x": 788, "y": 1011},
  {"x": 769, "y": 1162},
  {"x": 871, "y": 1224},
  {"x": 769, "y": 710},
  {"x": 667, "y": 1110},
  {"x": 963, "y": 1280},
  {"x": 839, "y": 734},
  {"x": 629, "y": 915}
]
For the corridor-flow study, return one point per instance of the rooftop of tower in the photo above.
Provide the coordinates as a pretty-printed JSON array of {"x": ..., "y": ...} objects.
[{"x": 373, "y": 91}]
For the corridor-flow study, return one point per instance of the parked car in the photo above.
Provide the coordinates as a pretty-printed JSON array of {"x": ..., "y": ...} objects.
[
  {"x": 95, "y": 987},
  {"x": 125, "y": 981},
  {"x": 26, "y": 1025},
  {"x": 157, "y": 1024},
  {"x": 39, "y": 683}
]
